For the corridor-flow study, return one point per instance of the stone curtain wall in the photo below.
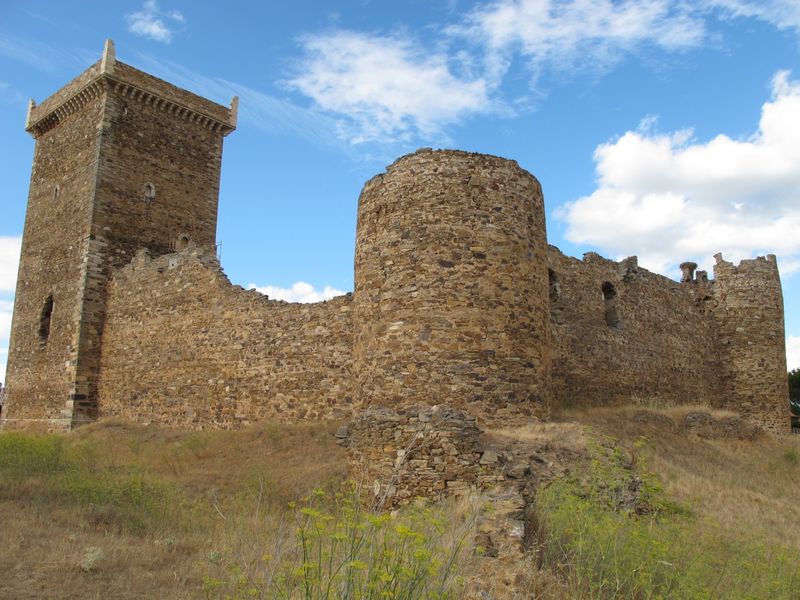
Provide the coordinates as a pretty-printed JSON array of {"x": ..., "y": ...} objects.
[
  {"x": 40, "y": 375},
  {"x": 662, "y": 348},
  {"x": 183, "y": 347},
  {"x": 749, "y": 313},
  {"x": 451, "y": 286}
]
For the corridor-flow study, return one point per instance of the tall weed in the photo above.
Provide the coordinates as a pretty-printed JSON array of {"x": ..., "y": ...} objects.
[{"x": 331, "y": 547}]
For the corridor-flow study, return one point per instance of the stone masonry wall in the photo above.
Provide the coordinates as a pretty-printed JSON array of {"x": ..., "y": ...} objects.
[
  {"x": 166, "y": 90},
  {"x": 749, "y": 313},
  {"x": 157, "y": 186},
  {"x": 183, "y": 347},
  {"x": 451, "y": 286},
  {"x": 652, "y": 340}
]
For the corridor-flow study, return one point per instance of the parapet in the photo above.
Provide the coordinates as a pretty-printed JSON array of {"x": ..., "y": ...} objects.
[{"x": 109, "y": 73}]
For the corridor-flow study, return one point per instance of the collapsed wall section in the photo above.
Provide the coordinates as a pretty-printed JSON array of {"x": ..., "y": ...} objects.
[
  {"x": 417, "y": 451},
  {"x": 451, "y": 286},
  {"x": 622, "y": 334},
  {"x": 183, "y": 347}
]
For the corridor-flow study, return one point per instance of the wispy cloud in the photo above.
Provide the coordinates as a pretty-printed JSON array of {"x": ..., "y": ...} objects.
[
  {"x": 395, "y": 86},
  {"x": 668, "y": 196},
  {"x": 44, "y": 57},
  {"x": 153, "y": 23},
  {"x": 783, "y": 14},
  {"x": 386, "y": 86},
  {"x": 264, "y": 111},
  {"x": 10, "y": 94},
  {"x": 300, "y": 291}
]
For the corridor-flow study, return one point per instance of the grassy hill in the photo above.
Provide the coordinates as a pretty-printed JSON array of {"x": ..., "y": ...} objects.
[{"x": 621, "y": 503}]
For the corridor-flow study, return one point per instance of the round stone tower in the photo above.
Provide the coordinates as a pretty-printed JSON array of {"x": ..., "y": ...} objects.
[{"x": 451, "y": 286}]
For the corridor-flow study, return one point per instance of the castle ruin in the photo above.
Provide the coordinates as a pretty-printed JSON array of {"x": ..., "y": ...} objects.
[{"x": 122, "y": 308}]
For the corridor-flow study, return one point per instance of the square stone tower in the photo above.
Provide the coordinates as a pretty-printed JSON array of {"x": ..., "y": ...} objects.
[{"x": 123, "y": 161}]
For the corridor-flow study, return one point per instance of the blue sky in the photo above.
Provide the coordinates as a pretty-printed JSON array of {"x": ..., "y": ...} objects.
[{"x": 661, "y": 128}]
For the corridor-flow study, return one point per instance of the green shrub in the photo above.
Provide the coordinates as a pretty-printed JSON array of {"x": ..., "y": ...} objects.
[
  {"x": 614, "y": 533},
  {"x": 45, "y": 470}
]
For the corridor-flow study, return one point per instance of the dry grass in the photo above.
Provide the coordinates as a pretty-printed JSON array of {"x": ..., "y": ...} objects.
[
  {"x": 236, "y": 486},
  {"x": 44, "y": 556},
  {"x": 51, "y": 547},
  {"x": 567, "y": 434},
  {"x": 291, "y": 458}
]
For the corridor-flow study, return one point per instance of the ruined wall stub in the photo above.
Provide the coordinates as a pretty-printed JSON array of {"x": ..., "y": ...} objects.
[
  {"x": 123, "y": 160},
  {"x": 450, "y": 298}
]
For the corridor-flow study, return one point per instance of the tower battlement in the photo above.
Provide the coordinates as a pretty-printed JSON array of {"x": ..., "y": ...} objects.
[{"x": 131, "y": 83}]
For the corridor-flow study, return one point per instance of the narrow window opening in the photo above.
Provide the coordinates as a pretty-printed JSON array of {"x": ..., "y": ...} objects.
[
  {"x": 611, "y": 308},
  {"x": 45, "y": 319},
  {"x": 555, "y": 288},
  {"x": 183, "y": 242},
  {"x": 56, "y": 192},
  {"x": 556, "y": 305},
  {"x": 149, "y": 192}
]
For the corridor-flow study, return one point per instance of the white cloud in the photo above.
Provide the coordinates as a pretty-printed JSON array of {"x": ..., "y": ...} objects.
[
  {"x": 386, "y": 86},
  {"x": 9, "y": 262},
  {"x": 6, "y": 309},
  {"x": 593, "y": 33},
  {"x": 299, "y": 292},
  {"x": 670, "y": 198},
  {"x": 151, "y": 23},
  {"x": 392, "y": 88},
  {"x": 793, "y": 352}
]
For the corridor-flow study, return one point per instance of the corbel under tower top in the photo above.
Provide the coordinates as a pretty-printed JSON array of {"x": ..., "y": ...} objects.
[{"x": 107, "y": 73}]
